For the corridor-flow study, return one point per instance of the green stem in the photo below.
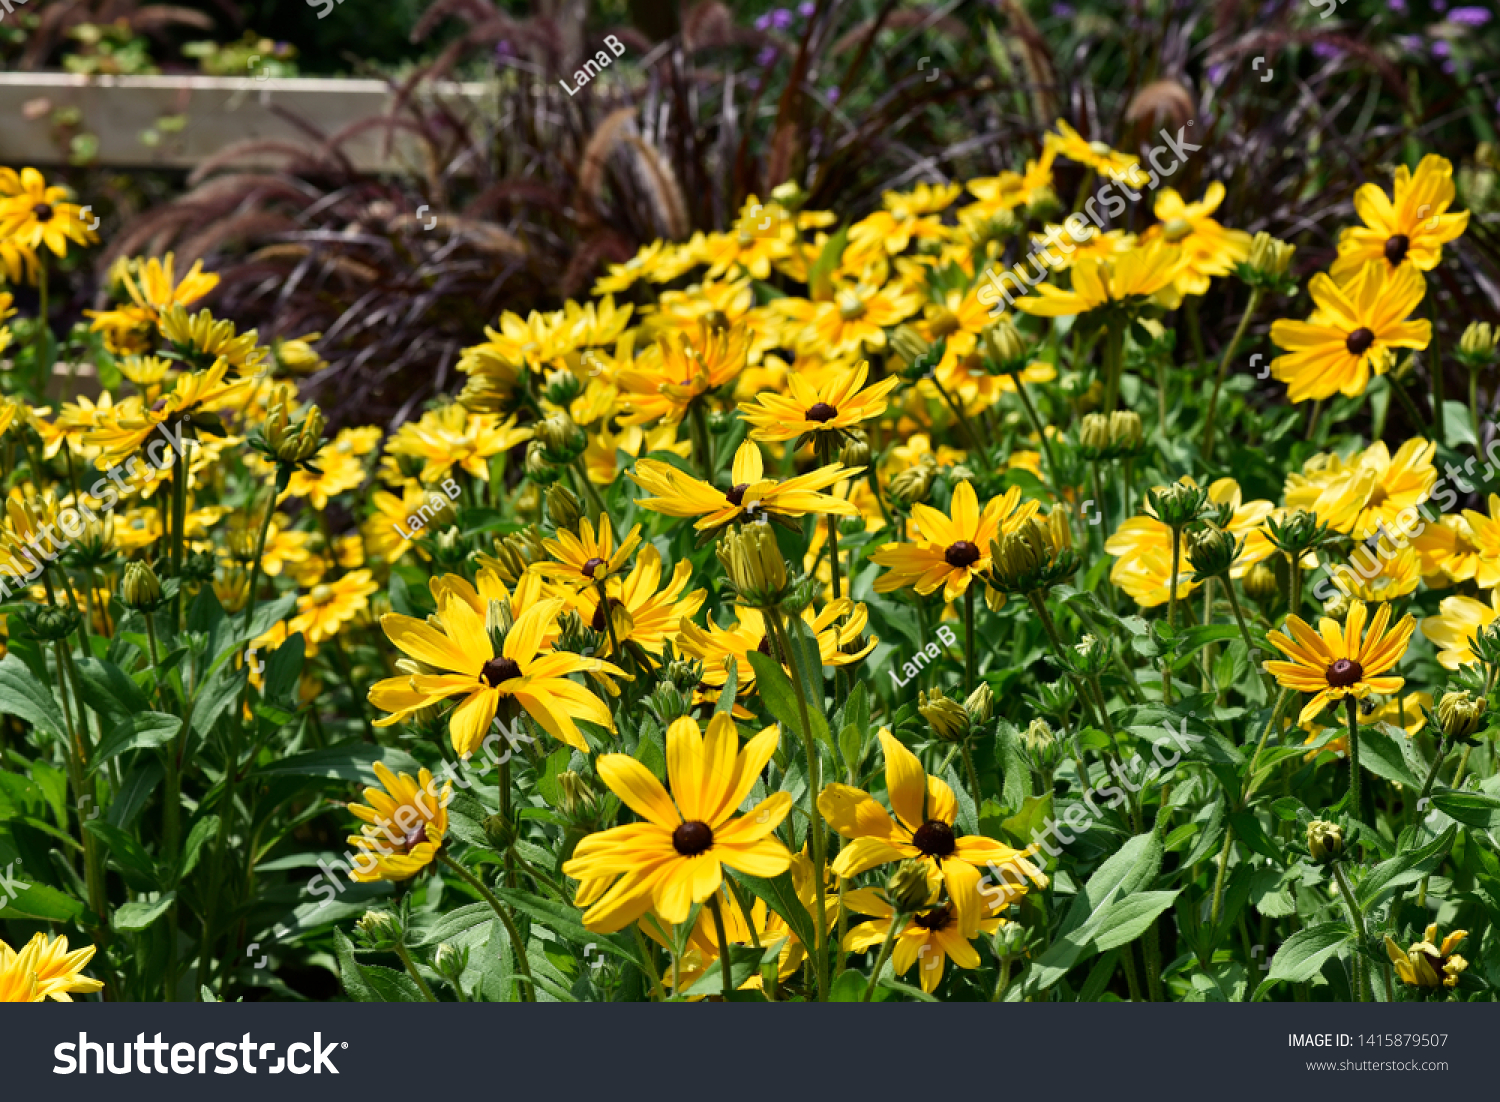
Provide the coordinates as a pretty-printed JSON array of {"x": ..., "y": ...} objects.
[
  {"x": 725, "y": 971},
  {"x": 1003, "y": 982},
  {"x": 969, "y": 661},
  {"x": 1250, "y": 647},
  {"x": 1229, "y": 351},
  {"x": 1036, "y": 427},
  {"x": 1166, "y": 661},
  {"x": 963, "y": 420},
  {"x": 1351, "y": 709},
  {"x": 644, "y": 947},
  {"x": 898, "y": 922},
  {"x": 1474, "y": 406},
  {"x": 411, "y": 970},
  {"x": 1357, "y": 920},
  {"x": 1437, "y": 763},
  {"x": 1114, "y": 351},
  {"x": 973, "y": 776},
  {"x": 1435, "y": 351},
  {"x": 523, "y": 966}
]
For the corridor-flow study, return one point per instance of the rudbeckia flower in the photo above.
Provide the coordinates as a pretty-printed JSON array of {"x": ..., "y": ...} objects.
[
  {"x": 644, "y": 613},
  {"x": 1429, "y": 962},
  {"x": 1367, "y": 493},
  {"x": 674, "y": 857},
  {"x": 922, "y": 827},
  {"x": 44, "y": 969},
  {"x": 1408, "y": 713},
  {"x": 1014, "y": 189},
  {"x": 467, "y": 663},
  {"x": 1486, "y": 534},
  {"x": 586, "y": 559},
  {"x": 1458, "y": 621},
  {"x": 404, "y": 826},
  {"x": 1208, "y": 248},
  {"x": 680, "y": 495},
  {"x": 331, "y": 605},
  {"x": 838, "y": 404},
  {"x": 453, "y": 437},
  {"x": 1354, "y": 332},
  {"x": 1336, "y": 661},
  {"x": 1143, "y": 272},
  {"x": 950, "y": 551},
  {"x": 1096, "y": 155},
  {"x": 667, "y": 378},
  {"x": 33, "y": 214},
  {"x": 1408, "y": 228},
  {"x": 839, "y": 625},
  {"x": 1447, "y": 551}
]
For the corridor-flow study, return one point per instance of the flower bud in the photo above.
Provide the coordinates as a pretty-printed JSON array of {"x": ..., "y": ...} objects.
[
  {"x": 1325, "y": 841},
  {"x": 500, "y": 833},
  {"x": 912, "y": 486},
  {"x": 1126, "y": 433},
  {"x": 1178, "y": 504},
  {"x": 450, "y": 962},
  {"x": 1040, "y": 746},
  {"x": 1270, "y": 257},
  {"x": 539, "y": 468},
  {"x": 380, "y": 929},
  {"x": 140, "y": 589},
  {"x": 1211, "y": 551},
  {"x": 574, "y": 795},
  {"x": 1091, "y": 655},
  {"x": 562, "y": 440},
  {"x": 1043, "y": 205},
  {"x": 856, "y": 450},
  {"x": 1093, "y": 435},
  {"x": 49, "y": 623},
  {"x": 562, "y": 387},
  {"x": 947, "y": 718},
  {"x": 908, "y": 888},
  {"x": 1006, "y": 346},
  {"x": 754, "y": 565},
  {"x": 1337, "y": 607},
  {"x": 913, "y": 348},
  {"x": 1010, "y": 940},
  {"x": 563, "y": 507},
  {"x": 484, "y": 393},
  {"x": 980, "y": 705},
  {"x": 1260, "y": 583},
  {"x": 1460, "y": 714},
  {"x": 1478, "y": 339}
]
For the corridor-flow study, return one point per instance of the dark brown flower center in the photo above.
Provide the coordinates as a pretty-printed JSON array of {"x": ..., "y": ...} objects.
[
  {"x": 1345, "y": 672},
  {"x": 1359, "y": 341},
  {"x": 765, "y": 646},
  {"x": 498, "y": 670},
  {"x": 590, "y": 566},
  {"x": 42, "y": 212},
  {"x": 736, "y": 494},
  {"x": 1395, "y": 248},
  {"x": 822, "y": 413},
  {"x": 935, "y": 839},
  {"x": 939, "y": 919},
  {"x": 961, "y": 554},
  {"x": 414, "y": 837},
  {"x": 691, "y": 839}
]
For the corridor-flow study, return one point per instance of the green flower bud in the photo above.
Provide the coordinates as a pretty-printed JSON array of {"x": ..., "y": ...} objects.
[
  {"x": 856, "y": 450},
  {"x": 1478, "y": 339},
  {"x": 1460, "y": 714},
  {"x": 1092, "y": 655},
  {"x": 1325, "y": 841},
  {"x": 574, "y": 795},
  {"x": 562, "y": 387},
  {"x": 539, "y": 468},
  {"x": 140, "y": 589},
  {"x": 561, "y": 439},
  {"x": 563, "y": 507},
  {"x": 1093, "y": 435},
  {"x": 918, "y": 353},
  {"x": 450, "y": 962},
  {"x": 947, "y": 718},
  {"x": 1126, "y": 433},
  {"x": 980, "y": 705},
  {"x": 499, "y": 832},
  {"x": 754, "y": 565},
  {"x": 908, "y": 888},
  {"x": 1178, "y": 504},
  {"x": 1212, "y": 551},
  {"x": 486, "y": 394},
  {"x": 913, "y": 485},
  {"x": 49, "y": 623},
  {"x": 1006, "y": 346},
  {"x": 1260, "y": 583},
  {"x": 380, "y": 930}
]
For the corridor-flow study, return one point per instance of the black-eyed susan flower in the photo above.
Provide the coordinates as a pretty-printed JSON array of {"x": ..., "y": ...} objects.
[
  {"x": 674, "y": 857},
  {"x": 44, "y": 969},
  {"x": 204, "y": 340},
  {"x": 1208, "y": 249},
  {"x": 751, "y": 494},
  {"x": 666, "y": 379},
  {"x": 1430, "y": 962},
  {"x": 33, "y": 214},
  {"x": 587, "y": 558},
  {"x": 644, "y": 612},
  {"x": 922, "y": 826},
  {"x": 1359, "y": 322},
  {"x": 949, "y": 551},
  {"x": 466, "y": 662},
  {"x": 838, "y": 628},
  {"x": 1367, "y": 493},
  {"x": 1097, "y": 155},
  {"x": 451, "y": 436},
  {"x": 1129, "y": 278},
  {"x": 841, "y": 402},
  {"x": 322, "y": 612},
  {"x": 1409, "y": 227},
  {"x": 1341, "y": 660},
  {"x": 404, "y": 826},
  {"x": 1459, "y": 620}
]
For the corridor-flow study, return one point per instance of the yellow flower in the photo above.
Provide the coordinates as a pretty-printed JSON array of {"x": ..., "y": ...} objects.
[
  {"x": 1429, "y": 962},
  {"x": 1360, "y": 320},
  {"x": 1335, "y": 663},
  {"x": 44, "y": 969},
  {"x": 1458, "y": 621},
  {"x": 840, "y": 624},
  {"x": 839, "y": 403},
  {"x": 1377, "y": 573},
  {"x": 928, "y": 939},
  {"x": 1412, "y": 225},
  {"x": 1362, "y": 496},
  {"x": 853, "y": 321},
  {"x": 404, "y": 826},
  {"x": 1208, "y": 249},
  {"x": 674, "y": 857},
  {"x": 907, "y": 215},
  {"x": 1447, "y": 550},
  {"x": 153, "y": 288},
  {"x": 33, "y": 214},
  {"x": 1014, "y": 189},
  {"x": 465, "y": 658},
  {"x": 949, "y": 551},
  {"x": 1486, "y": 536},
  {"x": 331, "y": 605},
  {"x": 1412, "y": 719},
  {"x": 680, "y": 368},
  {"x": 1145, "y": 271},
  {"x": 642, "y": 614},
  {"x": 587, "y": 559},
  {"x": 451, "y": 436},
  {"x": 1096, "y": 155},
  {"x": 925, "y": 811},
  {"x": 680, "y": 495},
  {"x": 207, "y": 338},
  {"x": 336, "y": 472}
]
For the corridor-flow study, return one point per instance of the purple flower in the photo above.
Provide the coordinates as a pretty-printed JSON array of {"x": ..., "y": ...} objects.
[
  {"x": 1469, "y": 17},
  {"x": 503, "y": 49},
  {"x": 766, "y": 57},
  {"x": 1449, "y": 68},
  {"x": 1441, "y": 49},
  {"x": 1397, "y": 6},
  {"x": 833, "y": 94},
  {"x": 1063, "y": 11},
  {"x": 762, "y": 22},
  {"x": 781, "y": 19},
  {"x": 1412, "y": 43},
  {"x": 1439, "y": 5},
  {"x": 1326, "y": 50},
  {"x": 1216, "y": 73},
  {"x": 806, "y": 9}
]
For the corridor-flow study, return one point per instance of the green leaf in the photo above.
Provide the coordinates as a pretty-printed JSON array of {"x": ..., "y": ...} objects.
[
  {"x": 134, "y": 862},
  {"x": 1247, "y": 828},
  {"x": 349, "y": 970},
  {"x": 204, "y": 830},
  {"x": 1017, "y": 777},
  {"x": 744, "y": 962},
  {"x": 145, "y": 730},
  {"x": 780, "y": 698},
  {"x": 22, "y": 695},
  {"x": 1122, "y": 875},
  {"x": 283, "y": 674},
  {"x": 819, "y": 277},
  {"x": 1301, "y": 956},
  {"x": 1469, "y": 808},
  {"x": 849, "y": 987},
  {"x": 138, "y": 914},
  {"x": 347, "y": 761},
  {"x": 563, "y": 920},
  {"x": 1406, "y": 868},
  {"x": 725, "y": 704},
  {"x": 1382, "y": 755},
  {"x": 111, "y": 692},
  {"x": 43, "y": 902},
  {"x": 1127, "y": 919},
  {"x": 781, "y": 896}
]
